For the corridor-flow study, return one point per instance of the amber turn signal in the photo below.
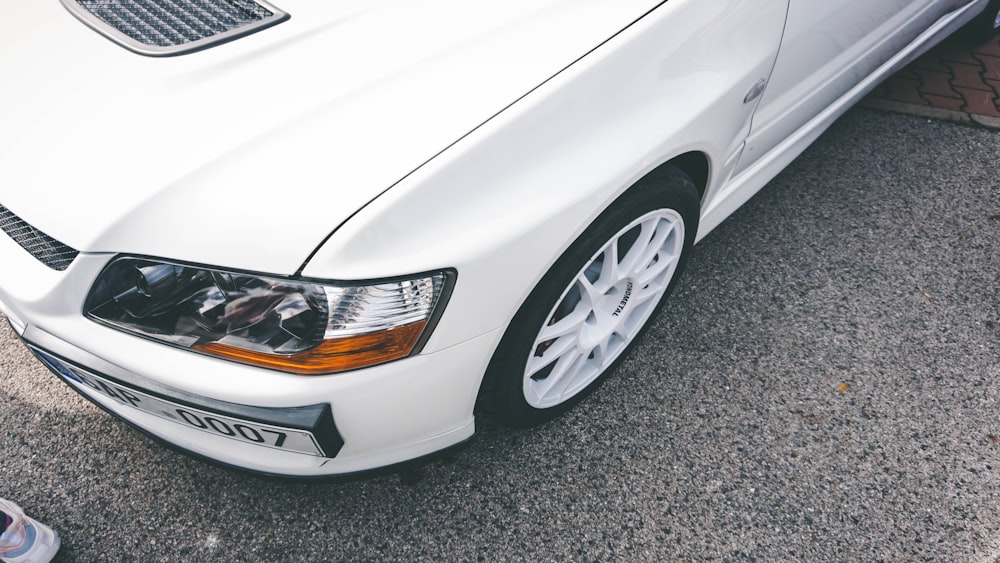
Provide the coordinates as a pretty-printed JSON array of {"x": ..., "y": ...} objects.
[{"x": 330, "y": 356}]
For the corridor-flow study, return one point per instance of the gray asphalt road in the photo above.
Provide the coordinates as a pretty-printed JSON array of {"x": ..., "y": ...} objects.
[{"x": 823, "y": 386}]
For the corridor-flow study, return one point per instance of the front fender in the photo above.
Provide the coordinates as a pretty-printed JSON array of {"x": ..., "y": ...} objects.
[{"x": 505, "y": 201}]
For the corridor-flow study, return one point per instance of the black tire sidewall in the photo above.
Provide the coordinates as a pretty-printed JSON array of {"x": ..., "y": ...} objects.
[
  {"x": 502, "y": 393},
  {"x": 982, "y": 28}
]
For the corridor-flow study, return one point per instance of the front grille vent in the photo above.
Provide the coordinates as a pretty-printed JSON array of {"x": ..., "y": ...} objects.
[
  {"x": 46, "y": 249},
  {"x": 174, "y": 27}
]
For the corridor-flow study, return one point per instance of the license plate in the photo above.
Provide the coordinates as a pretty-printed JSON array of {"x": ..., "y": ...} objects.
[{"x": 255, "y": 433}]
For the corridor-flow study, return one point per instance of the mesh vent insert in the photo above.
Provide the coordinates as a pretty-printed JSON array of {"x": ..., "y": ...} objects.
[
  {"x": 46, "y": 249},
  {"x": 173, "y": 27}
]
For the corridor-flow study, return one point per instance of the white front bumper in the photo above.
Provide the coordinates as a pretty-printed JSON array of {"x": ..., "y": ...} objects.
[{"x": 386, "y": 414}]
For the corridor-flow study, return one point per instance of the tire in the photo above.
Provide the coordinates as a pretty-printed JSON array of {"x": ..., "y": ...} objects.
[
  {"x": 584, "y": 315},
  {"x": 986, "y": 25}
]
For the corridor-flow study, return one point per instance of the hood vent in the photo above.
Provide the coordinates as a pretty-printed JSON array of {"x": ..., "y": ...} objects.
[
  {"x": 174, "y": 27},
  {"x": 46, "y": 249}
]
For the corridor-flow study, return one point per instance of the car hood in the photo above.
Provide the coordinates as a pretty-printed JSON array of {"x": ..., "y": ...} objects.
[{"x": 249, "y": 154}]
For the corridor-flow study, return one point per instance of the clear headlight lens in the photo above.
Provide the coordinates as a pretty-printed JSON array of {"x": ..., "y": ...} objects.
[{"x": 295, "y": 326}]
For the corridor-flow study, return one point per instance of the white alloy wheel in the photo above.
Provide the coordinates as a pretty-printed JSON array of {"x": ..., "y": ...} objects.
[
  {"x": 604, "y": 308},
  {"x": 594, "y": 302}
]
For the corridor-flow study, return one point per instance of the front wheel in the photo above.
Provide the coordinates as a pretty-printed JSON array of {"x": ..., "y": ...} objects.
[{"x": 594, "y": 303}]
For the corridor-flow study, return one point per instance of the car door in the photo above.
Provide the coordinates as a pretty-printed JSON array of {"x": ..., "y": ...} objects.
[{"x": 828, "y": 47}]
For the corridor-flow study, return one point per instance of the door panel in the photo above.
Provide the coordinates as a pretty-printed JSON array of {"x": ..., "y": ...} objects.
[{"x": 828, "y": 47}]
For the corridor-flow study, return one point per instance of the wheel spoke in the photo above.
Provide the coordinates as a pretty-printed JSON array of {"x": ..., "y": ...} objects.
[
  {"x": 566, "y": 325},
  {"x": 568, "y": 364},
  {"x": 615, "y": 343},
  {"x": 654, "y": 246},
  {"x": 644, "y": 294},
  {"x": 601, "y": 356},
  {"x": 627, "y": 330},
  {"x": 561, "y": 346},
  {"x": 609, "y": 267},
  {"x": 663, "y": 263},
  {"x": 647, "y": 229},
  {"x": 589, "y": 294}
]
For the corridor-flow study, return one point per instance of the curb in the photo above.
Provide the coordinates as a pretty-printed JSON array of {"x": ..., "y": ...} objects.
[{"x": 932, "y": 112}]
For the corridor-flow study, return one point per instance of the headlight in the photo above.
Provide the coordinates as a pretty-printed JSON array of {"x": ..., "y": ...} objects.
[{"x": 296, "y": 326}]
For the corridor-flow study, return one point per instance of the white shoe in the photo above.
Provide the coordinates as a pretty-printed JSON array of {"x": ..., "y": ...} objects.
[{"x": 26, "y": 540}]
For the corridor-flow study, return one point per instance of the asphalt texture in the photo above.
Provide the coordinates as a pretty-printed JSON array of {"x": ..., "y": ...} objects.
[{"x": 823, "y": 386}]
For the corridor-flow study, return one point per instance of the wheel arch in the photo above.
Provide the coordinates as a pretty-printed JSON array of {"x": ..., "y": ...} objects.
[{"x": 695, "y": 164}]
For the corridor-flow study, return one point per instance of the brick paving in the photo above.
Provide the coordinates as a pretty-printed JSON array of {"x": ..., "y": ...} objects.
[{"x": 959, "y": 75}]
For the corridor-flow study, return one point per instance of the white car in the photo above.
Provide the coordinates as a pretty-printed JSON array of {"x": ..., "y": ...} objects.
[{"x": 318, "y": 237}]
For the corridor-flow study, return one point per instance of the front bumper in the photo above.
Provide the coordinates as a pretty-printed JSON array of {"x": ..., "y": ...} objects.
[
  {"x": 309, "y": 430},
  {"x": 382, "y": 415}
]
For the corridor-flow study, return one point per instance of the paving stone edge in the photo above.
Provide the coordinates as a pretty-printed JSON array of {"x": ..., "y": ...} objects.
[{"x": 932, "y": 113}]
